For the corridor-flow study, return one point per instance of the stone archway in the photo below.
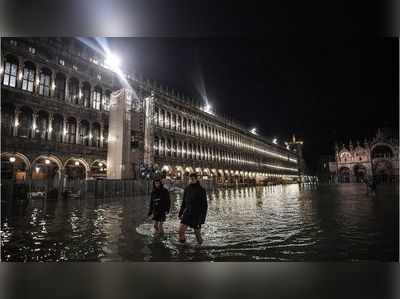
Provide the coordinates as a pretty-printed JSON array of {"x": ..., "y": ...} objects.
[
  {"x": 383, "y": 171},
  {"x": 46, "y": 174},
  {"x": 344, "y": 175},
  {"x": 360, "y": 173}
]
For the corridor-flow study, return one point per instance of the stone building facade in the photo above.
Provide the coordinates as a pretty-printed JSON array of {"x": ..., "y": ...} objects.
[
  {"x": 377, "y": 158},
  {"x": 55, "y": 98}
]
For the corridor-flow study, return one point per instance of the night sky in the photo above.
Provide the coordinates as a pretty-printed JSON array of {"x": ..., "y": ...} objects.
[
  {"x": 322, "y": 90},
  {"x": 284, "y": 70}
]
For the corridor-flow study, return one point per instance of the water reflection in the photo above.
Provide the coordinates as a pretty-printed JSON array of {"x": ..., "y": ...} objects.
[{"x": 273, "y": 223}]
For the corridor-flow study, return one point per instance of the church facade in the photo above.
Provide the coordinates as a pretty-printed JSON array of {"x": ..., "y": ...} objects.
[{"x": 376, "y": 158}]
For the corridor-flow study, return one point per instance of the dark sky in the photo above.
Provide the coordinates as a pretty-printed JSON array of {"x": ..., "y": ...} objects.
[{"x": 321, "y": 89}]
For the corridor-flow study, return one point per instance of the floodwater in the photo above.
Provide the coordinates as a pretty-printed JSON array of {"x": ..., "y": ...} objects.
[{"x": 274, "y": 223}]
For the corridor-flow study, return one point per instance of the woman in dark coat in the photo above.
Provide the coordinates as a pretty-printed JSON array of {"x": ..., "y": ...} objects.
[{"x": 159, "y": 205}]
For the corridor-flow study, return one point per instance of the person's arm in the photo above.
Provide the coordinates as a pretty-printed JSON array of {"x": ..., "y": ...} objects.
[{"x": 182, "y": 205}]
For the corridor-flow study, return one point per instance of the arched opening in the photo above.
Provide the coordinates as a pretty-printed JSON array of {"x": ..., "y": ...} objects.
[
  {"x": 14, "y": 167},
  {"x": 25, "y": 122},
  {"x": 10, "y": 71},
  {"x": 75, "y": 171},
  {"x": 42, "y": 124},
  {"x": 383, "y": 171},
  {"x": 60, "y": 86},
  {"x": 71, "y": 130},
  {"x": 86, "y": 89},
  {"x": 360, "y": 173},
  {"x": 344, "y": 175},
  {"x": 46, "y": 175},
  {"x": 96, "y": 135},
  {"x": 57, "y": 128},
  {"x": 98, "y": 169},
  {"x": 45, "y": 82},
  {"x": 28, "y": 76},
  {"x": 96, "y": 100},
  {"x": 7, "y": 120},
  {"x": 106, "y": 100},
  {"x": 73, "y": 90},
  {"x": 105, "y": 136},
  {"x": 382, "y": 151},
  {"x": 84, "y": 132}
]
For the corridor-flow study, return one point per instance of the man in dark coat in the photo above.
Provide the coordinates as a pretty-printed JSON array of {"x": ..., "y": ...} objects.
[
  {"x": 193, "y": 209},
  {"x": 159, "y": 205}
]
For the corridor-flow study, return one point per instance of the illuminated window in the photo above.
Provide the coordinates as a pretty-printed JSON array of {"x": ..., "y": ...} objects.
[
  {"x": 61, "y": 61},
  {"x": 28, "y": 77},
  {"x": 32, "y": 50},
  {"x": 96, "y": 98},
  {"x": 106, "y": 100},
  {"x": 60, "y": 86},
  {"x": 10, "y": 72},
  {"x": 44, "y": 82}
]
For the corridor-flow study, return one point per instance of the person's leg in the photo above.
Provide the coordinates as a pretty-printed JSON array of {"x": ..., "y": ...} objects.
[
  {"x": 197, "y": 232},
  {"x": 182, "y": 233}
]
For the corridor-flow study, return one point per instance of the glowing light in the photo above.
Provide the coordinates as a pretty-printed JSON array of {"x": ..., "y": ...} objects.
[
  {"x": 12, "y": 159},
  {"x": 76, "y": 163},
  {"x": 100, "y": 164},
  {"x": 16, "y": 123},
  {"x": 275, "y": 141},
  {"x": 37, "y": 169},
  {"x": 53, "y": 86},
  {"x": 20, "y": 76},
  {"x": 47, "y": 161},
  {"x": 112, "y": 62},
  {"x": 254, "y": 131}
]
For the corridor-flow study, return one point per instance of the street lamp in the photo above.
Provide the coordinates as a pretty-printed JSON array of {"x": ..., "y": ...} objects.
[{"x": 113, "y": 62}]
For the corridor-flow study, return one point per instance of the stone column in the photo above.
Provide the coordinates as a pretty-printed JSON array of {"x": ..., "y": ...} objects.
[
  {"x": 37, "y": 80},
  {"x": 20, "y": 74},
  {"x": 52, "y": 84},
  {"x": 34, "y": 124},
  {"x": 64, "y": 130},
  {"x": 66, "y": 91},
  {"x": 50, "y": 126},
  {"x": 101, "y": 135},
  {"x": 77, "y": 131}
]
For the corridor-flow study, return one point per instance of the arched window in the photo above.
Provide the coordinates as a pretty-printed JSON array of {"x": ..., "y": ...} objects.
[
  {"x": 173, "y": 122},
  {"x": 168, "y": 148},
  {"x": 60, "y": 86},
  {"x": 7, "y": 120},
  {"x": 86, "y": 95},
  {"x": 28, "y": 77},
  {"x": 73, "y": 90},
  {"x": 168, "y": 121},
  {"x": 96, "y": 98},
  {"x": 57, "y": 128},
  {"x": 106, "y": 100},
  {"x": 184, "y": 126},
  {"x": 10, "y": 71},
  {"x": 84, "y": 132},
  {"x": 71, "y": 130},
  {"x": 162, "y": 118},
  {"x": 156, "y": 116},
  {"x": 179, "y": 124},
  {"x": 174, "y": 149},
  {"x": 96, "y": 135},
  {"x": 25, "y": 122},
  {"x": 42, "y": 124},
  {"x": 105, "y": 136},
  {"x": 162, "y": 147},
  {"x": 44, "y": 82}
]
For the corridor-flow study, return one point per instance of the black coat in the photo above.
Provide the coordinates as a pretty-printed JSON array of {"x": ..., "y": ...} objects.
[
  {"x": 194, "y": 205},
  {"x": 159, "y": 201}
]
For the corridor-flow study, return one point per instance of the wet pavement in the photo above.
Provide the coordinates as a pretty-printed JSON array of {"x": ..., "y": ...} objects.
[{"x": 275, "y": 223}]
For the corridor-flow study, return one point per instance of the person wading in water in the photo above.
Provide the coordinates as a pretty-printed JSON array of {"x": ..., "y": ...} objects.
[
  {"x": 193, "y": 210},
  {"x": 159, "y": 205}
]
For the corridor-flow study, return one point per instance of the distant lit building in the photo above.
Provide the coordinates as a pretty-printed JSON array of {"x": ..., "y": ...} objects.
[{"x": 378, "y": 158}]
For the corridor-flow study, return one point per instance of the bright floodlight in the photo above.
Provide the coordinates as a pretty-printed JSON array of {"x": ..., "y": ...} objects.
[
  {"x": 275, "y": 141},
  {"x": 208, "y": 108},
  {"x": 112, "y": 61},
  {"x": 253, "y": 131}
]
